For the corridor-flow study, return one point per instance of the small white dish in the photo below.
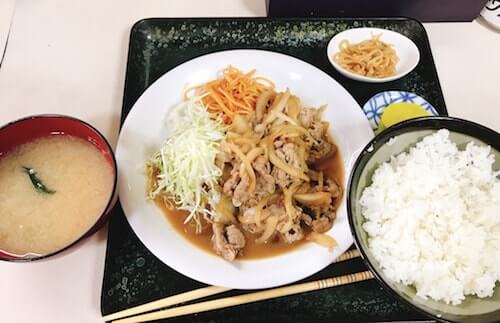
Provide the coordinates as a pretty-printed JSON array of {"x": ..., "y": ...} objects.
[{"x": 406, "y": 50}]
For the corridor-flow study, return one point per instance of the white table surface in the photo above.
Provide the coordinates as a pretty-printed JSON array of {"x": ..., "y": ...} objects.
[{"x": 69, "y": 57}]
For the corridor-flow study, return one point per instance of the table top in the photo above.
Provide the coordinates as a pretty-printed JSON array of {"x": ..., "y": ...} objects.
[{"x": 39, "y": 75}]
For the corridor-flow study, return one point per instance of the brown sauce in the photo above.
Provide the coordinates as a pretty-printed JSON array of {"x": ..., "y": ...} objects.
[{"x": 332, "y": 168}]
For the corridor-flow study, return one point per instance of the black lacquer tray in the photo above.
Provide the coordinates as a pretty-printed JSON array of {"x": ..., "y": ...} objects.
[{"x": 133, "y": 276}]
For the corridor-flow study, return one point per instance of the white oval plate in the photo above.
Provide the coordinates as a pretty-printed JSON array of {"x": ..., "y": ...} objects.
[
  {"x": 145, "y": 129},
  {"x": 406, "y": 50}
]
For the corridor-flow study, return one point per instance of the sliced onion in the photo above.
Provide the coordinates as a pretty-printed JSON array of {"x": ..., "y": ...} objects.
[
  {"x": 263, "y": 203},
  {"x": 314, "y": 199},
  {"x": 323, "y": 240},
  {"x": 304, "y": 188},
  {"x": 240, "y": 124},
  {"x": 262, "y": 101},
  {"x": 254, "y": 153},
  {"x": 271, "y": 224},
  {"x": 294, "y": 107},
  {"x": 281, "y": 164},
  {"x": 224, "y": 211},
  {"x": 289, "y": 207},
  {"x": 288, "y": 130},
  {"x": 286, "y": 118},
  {"x": 278, "y": 106},
  {"x": 245, "y": 140},
  {"x": 246, "y": 164}
]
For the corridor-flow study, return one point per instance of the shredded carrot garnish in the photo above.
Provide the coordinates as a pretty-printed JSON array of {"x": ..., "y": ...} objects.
[{"x": 233, "y": 93}]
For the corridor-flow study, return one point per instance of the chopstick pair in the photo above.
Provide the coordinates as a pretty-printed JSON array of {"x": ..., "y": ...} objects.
[{"x": 119, "y": 317}]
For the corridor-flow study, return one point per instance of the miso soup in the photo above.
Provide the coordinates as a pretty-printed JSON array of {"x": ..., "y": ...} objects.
[{"x": 52, "y": 190}]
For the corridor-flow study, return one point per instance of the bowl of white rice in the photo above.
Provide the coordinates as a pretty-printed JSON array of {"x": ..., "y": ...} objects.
[{"x": 424, "y": 209}]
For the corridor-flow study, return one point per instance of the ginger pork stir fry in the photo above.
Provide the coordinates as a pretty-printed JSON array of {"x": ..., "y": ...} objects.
[
  {"x": 269, "y": 181},
  {"x": 270, "y": 188}
]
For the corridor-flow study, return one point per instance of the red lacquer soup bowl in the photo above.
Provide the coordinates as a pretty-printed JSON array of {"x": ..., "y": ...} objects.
[{"x": 30, "y": 128}]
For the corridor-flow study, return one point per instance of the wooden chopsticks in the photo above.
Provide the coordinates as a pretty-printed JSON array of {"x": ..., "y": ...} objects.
[
  {"x": 118, "y": 317},
  {"x": 248, "y": 298},
  {"x": 168, "y": 301}
]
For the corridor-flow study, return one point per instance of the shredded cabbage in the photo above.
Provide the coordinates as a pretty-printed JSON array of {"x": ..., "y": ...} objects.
[{"x": 186, "y": 161}]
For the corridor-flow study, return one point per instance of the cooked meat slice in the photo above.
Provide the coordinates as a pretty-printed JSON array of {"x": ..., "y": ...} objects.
[
  {"x": 288, "y": 153},
  {"x": 247, "y": 219},
  {"x": 310, "y": 119},
  {"x": 232, "y": 181},
  {"x": 320, "y": 150},
  {"x": 307, "y": 116},
  {"x": 294, "y": 234},
  {"x": 321, "y": 147},
  {"x": 265, "y": 181},
  {"x": 322, "y": 224},
  {"x": 278, "y": 209},
  {"x": 250, "y": 203},
  {"x": 322, "y": 217},
  {"x": 332, "y": 187},
  {"x": 220, "y": 243},
  {"x": 282, "y": 179},
  {"x": 313, "y": 212},
  {"x": 288, "y": 233},
  {"x": 318, "y": 129},
  {"x": 248, "y": 216},
  {"x": 249, "y": 200},
  {"x": 227, "y": 241},
  {"x": 265, "y": 184},
  {"x": 306, "y": 218},
  {"x": 241, "y": 193},
  {"x": 261, "y": 165},
  {"x": 235, "y": 237},
  {"x": 330, "y": 212}
]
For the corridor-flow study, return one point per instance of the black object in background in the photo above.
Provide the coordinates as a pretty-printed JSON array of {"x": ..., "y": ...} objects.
[{"x": 423, "y": 10}]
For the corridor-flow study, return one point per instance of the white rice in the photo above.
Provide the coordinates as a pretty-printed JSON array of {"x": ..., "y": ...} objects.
[{"x": 433, "y": 219}]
